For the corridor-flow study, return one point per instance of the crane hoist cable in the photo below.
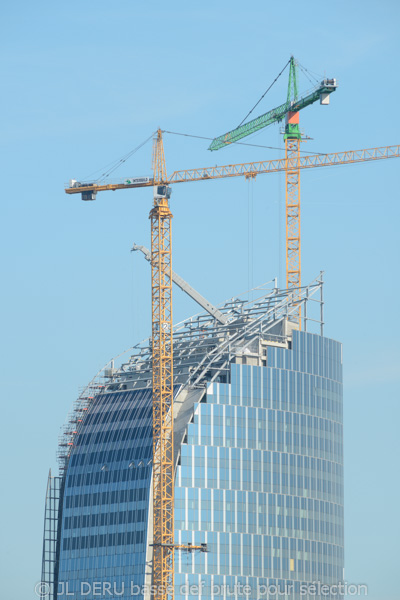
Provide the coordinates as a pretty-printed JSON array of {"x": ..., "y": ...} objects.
[
  {"x": 113, "y": 165},
  {"x": 315, "y": 76},
  {"x": 305, "y": 73},
  {"x": 202, "y": 137},
  {"x": 125, "y": 158},
  {"x": 265, "y": 93}
]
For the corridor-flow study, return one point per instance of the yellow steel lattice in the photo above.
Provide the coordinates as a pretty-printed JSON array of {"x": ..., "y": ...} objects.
[
  {"x": 162, "y": 352},
  {"x": 293, "y": 237}
]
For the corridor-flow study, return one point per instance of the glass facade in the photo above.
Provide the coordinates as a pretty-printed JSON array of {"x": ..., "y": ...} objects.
[
  {"x": 106, "y": 498},
  {"x": 259, "y": 479}
]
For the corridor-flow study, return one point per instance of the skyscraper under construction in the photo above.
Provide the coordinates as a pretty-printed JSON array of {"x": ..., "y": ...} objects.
[{"x": 258, "y": 452}]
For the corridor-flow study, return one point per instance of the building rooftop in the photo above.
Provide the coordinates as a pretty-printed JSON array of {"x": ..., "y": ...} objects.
[{"x": 204, "y": 348}]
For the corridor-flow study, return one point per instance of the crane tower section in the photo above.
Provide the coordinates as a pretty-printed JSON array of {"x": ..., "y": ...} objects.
[
  {"x": 162, "y": 357},
  {"x": 292, "y": 139},
  {"x": 293, "y": 246}
]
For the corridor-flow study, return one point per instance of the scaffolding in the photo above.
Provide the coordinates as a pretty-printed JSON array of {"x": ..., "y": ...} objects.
[{"x": 48, "y": 586}]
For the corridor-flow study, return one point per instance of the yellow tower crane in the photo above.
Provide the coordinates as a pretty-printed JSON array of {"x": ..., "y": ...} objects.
[
  {"x": 163, "y": 378},
  {"x": 162, "y": 338}
]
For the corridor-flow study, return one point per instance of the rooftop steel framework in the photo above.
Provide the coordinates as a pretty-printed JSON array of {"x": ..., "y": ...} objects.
[{"x": 204, "y": 348}]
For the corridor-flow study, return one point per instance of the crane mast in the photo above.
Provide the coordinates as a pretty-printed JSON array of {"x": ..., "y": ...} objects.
[
  {"x": 292, "y": 139},
  {"x": 163, "y": 389},
  {"x": 293, "y": 238}
]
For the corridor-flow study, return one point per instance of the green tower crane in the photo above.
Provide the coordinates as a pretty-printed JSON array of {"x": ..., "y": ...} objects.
[{"x": 292, "y": 136}]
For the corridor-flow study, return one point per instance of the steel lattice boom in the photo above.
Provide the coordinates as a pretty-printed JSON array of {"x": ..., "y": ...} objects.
[
  {"x": 253, "y": 168},
  {"x": 281, "y": 164},
  {"x": 292, "y": 104}
]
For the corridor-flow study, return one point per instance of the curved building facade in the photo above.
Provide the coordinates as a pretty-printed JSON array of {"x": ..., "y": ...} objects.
[
  {"x": 259, "y": 464},
  {"x": 261, "y": 477},
  {"x": 107, "y": 494}
]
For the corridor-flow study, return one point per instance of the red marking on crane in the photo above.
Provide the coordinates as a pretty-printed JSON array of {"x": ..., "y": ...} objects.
[{"x": 293, "y": 118}]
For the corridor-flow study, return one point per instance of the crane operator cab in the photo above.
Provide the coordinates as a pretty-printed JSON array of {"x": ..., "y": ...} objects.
[
  {"x": 162, "y": 192},
  {"x": 88, "y": 195}
]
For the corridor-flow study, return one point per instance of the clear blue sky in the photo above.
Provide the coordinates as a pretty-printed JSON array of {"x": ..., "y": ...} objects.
[{"x": 85, "y": 82}]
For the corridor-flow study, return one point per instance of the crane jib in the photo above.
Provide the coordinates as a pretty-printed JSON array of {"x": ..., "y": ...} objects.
[
  {"x": 258, "y": 168},
  {"x": 275, "y": 115},
  {"x": 280, "y": 164},
  {"x": 93, "y": 188}
]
